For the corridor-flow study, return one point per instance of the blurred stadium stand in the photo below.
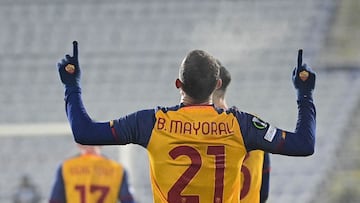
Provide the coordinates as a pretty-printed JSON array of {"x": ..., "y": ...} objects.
[{"x": 130, "y": 52}]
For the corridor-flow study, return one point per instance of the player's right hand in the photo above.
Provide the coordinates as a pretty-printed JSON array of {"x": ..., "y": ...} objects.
[
  {"x": 303, "y": 78},
  {"x": 69, "y": 68}
]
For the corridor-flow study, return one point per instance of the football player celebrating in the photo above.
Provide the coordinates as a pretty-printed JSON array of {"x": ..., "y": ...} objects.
[{"x": 195, "y": 149}]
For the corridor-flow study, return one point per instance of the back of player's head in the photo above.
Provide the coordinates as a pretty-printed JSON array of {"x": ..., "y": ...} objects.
[
  {"x": 225, "y": 77},
  {"x": 199, "y": 73}
]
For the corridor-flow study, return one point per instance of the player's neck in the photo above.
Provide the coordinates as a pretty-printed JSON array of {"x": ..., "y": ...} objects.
[
  {"x": 90, "y": 151},
  {"x": 187, "y": 100},
  {"x": 220, "y": 103}
]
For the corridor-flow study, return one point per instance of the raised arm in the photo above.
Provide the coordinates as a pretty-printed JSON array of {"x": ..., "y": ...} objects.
[
  {"x": 303, "y": 139},
  {"x": 85, "y": 130},
  {"x": 300, "y": 142}
]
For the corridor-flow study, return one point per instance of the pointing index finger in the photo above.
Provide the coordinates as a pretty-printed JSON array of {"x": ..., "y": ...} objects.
[
  {"x": 299, "y": 61},
  {"x": 75, "y": 49},
  {"x": 303, "y": 73}
]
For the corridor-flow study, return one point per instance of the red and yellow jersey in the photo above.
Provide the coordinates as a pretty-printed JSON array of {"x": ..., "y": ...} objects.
[
  {"x": 195, "y": 152},
  {"x": 251, "y": 178},
  {"x": 201, "y": 149},
  {"x": 91, "y": 179}
]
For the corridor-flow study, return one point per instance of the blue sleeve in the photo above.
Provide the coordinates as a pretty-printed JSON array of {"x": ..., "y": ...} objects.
[
  {"x": 134, "y": 128},
  {"x": 258, "y": 134},
  {"x": 58, "y": 189},
  {"x": 265, "y": 181},
  {"x": 125, "y": 195},
  {"x": 85, "y": 130}
]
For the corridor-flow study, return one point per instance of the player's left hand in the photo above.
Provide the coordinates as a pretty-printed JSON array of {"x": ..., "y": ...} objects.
[
  {"x": 303, "y": 78},
  {"x": 69, "y": 69}
]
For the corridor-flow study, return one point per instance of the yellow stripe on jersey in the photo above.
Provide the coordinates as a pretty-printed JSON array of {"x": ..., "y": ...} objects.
[
  {"x": 251, "y": 170},
  {"x": 91, "y": 179},
  {"x": 283, "y": 135},
  {"x": 199, "y": 157}
]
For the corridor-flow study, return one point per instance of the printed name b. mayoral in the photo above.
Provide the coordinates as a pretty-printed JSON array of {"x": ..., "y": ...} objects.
[{"x": 217, "y": 128}]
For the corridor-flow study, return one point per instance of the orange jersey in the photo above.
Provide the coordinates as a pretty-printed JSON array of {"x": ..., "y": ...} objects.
[
  {"x": 91, "y": 179},
  {"x": 251, "y": 178},
  {"x": 202, "y": 150}
]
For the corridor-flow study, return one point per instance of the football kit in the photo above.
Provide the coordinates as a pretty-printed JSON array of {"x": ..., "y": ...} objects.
[
  {"x": 195, "y": 152},
  {"x": 90, "y": 179}
]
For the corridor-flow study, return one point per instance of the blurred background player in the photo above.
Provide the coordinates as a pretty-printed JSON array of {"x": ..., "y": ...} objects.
[
  {"x": 90, "y": 177},
  {"x": 256, "y": 165},
  {"x": 195, "y": 150},
  {"x": 27, "y": 192}
]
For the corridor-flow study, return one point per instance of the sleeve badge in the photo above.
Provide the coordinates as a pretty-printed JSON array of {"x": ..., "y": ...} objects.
[{"x": 259, "y": 124}]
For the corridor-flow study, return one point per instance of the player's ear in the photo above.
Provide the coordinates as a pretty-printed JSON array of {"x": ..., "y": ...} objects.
[
  {"x": 178, "y": 83},
  {"x": 218, "y": 84}
]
